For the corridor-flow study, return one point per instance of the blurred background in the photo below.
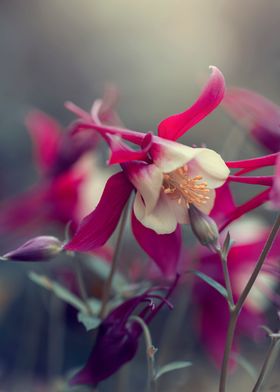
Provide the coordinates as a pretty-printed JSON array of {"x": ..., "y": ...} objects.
[{"x": 157, "y": 53}]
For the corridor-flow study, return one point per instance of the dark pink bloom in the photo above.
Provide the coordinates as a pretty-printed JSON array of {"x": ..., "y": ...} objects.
[
  {"x": 256, "y": 113},
  {"x": 166, "y": 176},
  {"x": 118, "y": 336},
  {"x": 62, "y": 163},
  {"x": 212, "y": 309}
]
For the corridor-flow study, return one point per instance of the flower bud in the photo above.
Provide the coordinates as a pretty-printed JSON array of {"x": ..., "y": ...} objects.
[
  {"x": 40, "y": 248},
  {"x": 204, "y": 228}
]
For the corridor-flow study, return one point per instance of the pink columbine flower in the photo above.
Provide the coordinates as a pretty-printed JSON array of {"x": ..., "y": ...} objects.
[
  {"x": 65, "y": 168},
  {"x": 256, "y": 113},
  {"x": 213, "y": 316},
  {"x": 166, "y": 176}
]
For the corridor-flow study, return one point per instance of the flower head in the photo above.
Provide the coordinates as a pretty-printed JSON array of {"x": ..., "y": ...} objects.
[
  {"x": 166, "y": 176},
  {"x": 118, "y": 335}
]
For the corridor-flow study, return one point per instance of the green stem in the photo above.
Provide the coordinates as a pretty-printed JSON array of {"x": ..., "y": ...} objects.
[
  {"x": 227, "y": 281},
  {"x": 108, "y": 283},
  {"x": 151, "y": 382},
  {"x": 82, "y": 288},
  {"x": 235, "y": 310},
  {"x": 269, "y": 361}
]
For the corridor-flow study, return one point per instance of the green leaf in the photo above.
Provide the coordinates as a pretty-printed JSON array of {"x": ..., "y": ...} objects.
[
  {"x": 60, "y": 291},
  {"x": 89, "y": 322},
  {"x": 211, "y": 282},
  {"x": 172, "y": 366}
]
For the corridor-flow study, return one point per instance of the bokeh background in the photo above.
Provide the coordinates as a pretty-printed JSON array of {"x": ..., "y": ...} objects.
[{"x": 157, "y": 53}]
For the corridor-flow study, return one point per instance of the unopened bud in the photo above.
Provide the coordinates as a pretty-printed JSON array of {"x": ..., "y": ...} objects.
[
  {"x": 40, "y": 248},
  {"x": 204, "y": 228}
]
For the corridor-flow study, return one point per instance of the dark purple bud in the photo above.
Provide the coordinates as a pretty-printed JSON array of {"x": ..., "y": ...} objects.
[
  {"x": 118, "y": 335},
  {"x": 40, "y": 248},
  {"x": 204, "y": 228}
]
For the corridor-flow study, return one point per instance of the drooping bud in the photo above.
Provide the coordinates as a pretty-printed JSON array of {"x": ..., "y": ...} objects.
[
  {"x": 40, "y": 248},
  {"x": 204, "y": 228}
]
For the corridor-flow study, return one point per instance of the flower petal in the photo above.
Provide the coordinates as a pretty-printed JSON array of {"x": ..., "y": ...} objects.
[
  {"x": 45, "y": 133},
  {"x": 275, "y": 190},
  {"x": 161, "y": 219},
  {"x": 147, "y": 179},
  {"x": 96, "y": 228},
  {"x": 169, "y": 155},
  {"x": 175, "y": 126},
  {"x": 164, "y": 249},
  {"x": 120, "y": 152},
  {"x": 210, "y": 165},
  {"x": 257, "y": 113}
]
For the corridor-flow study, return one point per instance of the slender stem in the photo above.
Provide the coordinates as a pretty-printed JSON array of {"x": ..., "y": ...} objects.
[
  {"x": 150, "y": 351},
  {"x": 81, "y": 284},
  {"x": 234, "y": 312},
  {"x": 269, "y": 361},
  {"x": 108, "y": 283},
  {"x": 226, "y": 357},
  {"x": 227, "y": 281}
]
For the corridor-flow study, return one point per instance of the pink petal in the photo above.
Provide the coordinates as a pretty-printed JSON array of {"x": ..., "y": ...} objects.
[
  {"x": 96, "y": 228},
  {"x": 258, "y": 180},
  {"x": 257, "y": 113},
  {"x": 45, "y": 133},
  {"x": 275, "y": 191},
  {"x": 253, "y": 163},
  {"x": 224, "y": 204},
  {"x": 121, "y": 152},
  {"x": 103, "y": 112},
  {"x": 250, "y": 205},
  {"x": 164, "y": 249},
  {"x": 176, "y": 125}
]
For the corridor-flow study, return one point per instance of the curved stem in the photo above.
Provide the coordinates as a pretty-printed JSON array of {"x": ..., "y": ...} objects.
[
  {"x": 150, "y": 351},
  {"x": 268, "y": 363},
  {"x": 108, "y": 283},
  {"x": 234, "y": 312}
]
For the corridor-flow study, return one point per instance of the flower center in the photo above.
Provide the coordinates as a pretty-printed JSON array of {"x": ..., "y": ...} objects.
[{"x": 185, "y": 189}]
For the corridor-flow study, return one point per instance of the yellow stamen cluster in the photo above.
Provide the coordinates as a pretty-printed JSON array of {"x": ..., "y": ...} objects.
[{"x": 185, "y": 189}]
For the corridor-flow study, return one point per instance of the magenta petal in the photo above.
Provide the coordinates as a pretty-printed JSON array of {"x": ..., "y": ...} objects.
[
  {"x": 176, "y": 125},
  {"x": 164, "y": 249},
  {"x": 241, "y": 210},
  {"x": 45, "y": 134},
  {"x": 224, "y": 204},
  {"x": 253, "y": 163},
  {"x": 121, "y": 152},
  {"x": 275, "y": 190},
  {"x": 96, "y": 228}
]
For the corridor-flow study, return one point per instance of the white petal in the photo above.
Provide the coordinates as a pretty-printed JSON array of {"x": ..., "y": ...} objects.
[
  {"x": 168, "y": 155},
  {"x": 162, "y": 219},
  {"x": 147, "y": 179},
  {"x": 210, "y": 165}
]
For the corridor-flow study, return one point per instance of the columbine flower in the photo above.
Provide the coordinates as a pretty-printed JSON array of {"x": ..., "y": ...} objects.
[
  {"x": 256, "y": 113},
  {"x": 213, "y": 316},
  {"x": 167, "y": 177},
  {"x": 42, "y": 248},
  {"x": 65, "y": 168},
  {"x": 118, "y": 336}
]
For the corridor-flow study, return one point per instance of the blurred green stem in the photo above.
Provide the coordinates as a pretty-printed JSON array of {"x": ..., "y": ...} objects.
[{"x": 108, "y": 283}]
